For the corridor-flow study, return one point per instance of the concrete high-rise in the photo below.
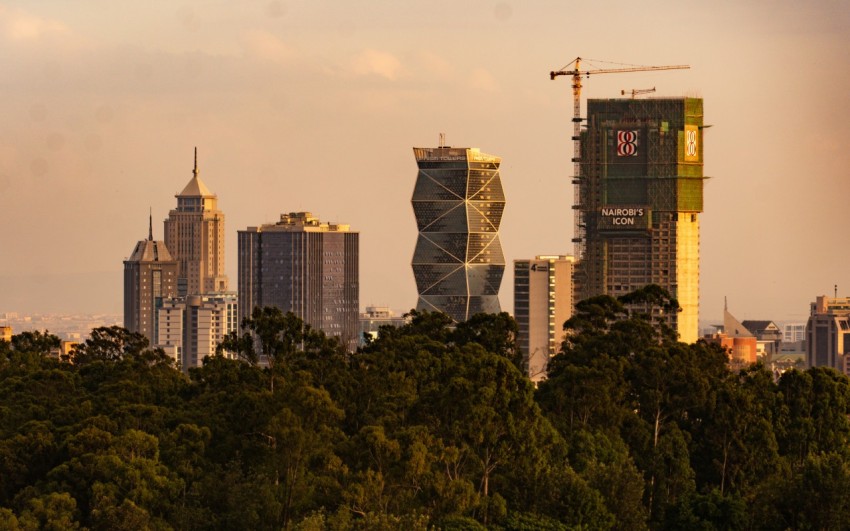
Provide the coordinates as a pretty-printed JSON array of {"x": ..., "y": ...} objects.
[
  {"x": 639, "y": 196},
  {"x": 543, "y": 301},
  {"x": 190, "y": 328},
  {"x": 194, "y": 233},
  {"x": 458, "y": 202},
  {"x": 306, "y": 267},
  {"x": 150, "y": 275}
]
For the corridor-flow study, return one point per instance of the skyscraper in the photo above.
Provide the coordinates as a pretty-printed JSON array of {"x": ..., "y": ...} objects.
[
  {"x": 543, "y": 301},
  {"x": 458, "y": 203},
  {"x": 194, "y": 233},
  {"x": 149, "y": 274},
  {"x": 306, "y": 267},
  {"x": 639, "y": 195}
]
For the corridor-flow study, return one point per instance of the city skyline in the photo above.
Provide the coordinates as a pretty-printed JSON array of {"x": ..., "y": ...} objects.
[{"x": 289, "y": 105}]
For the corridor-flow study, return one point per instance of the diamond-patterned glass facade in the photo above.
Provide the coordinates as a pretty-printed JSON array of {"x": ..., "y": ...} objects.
[{"x": 458, "y": 202}]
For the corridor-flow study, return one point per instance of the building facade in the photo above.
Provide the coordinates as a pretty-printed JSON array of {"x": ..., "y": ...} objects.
[
  {"x": 150, "y": 275},
  {"x": 190, "y": 328},
  {"x": 793, "y": 332},
  {"x": 458, "y": 202},
  {"x": 639, "y": 196},
  {"x": 543, "y": 301},
  {"x": 374, "y": 318},
  {"x": 306, "y": 267},
  {"x": 828, "y": 333},
  {"x": 194, "y": 233}
]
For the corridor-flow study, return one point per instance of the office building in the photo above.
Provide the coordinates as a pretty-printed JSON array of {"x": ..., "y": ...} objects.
[
  {"x": 458, "y": 203},
  {"x": 793, "y": 332},
  {"x": 828, "y": 333},
  {"x": 6, "y": 334},
  {"x": 194, "y": 233},
  {"x": 638, "y": 200},
  {"x": 150, "y": 275},
  {"x": 303, "y": 266},
  {"x": 190, "y": 328},
  {"x": 374, "y": 318},
  {"x": 543, "y": 301}
]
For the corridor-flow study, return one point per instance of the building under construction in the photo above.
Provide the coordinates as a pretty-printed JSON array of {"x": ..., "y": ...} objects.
[{"x": 639, "y": 196}]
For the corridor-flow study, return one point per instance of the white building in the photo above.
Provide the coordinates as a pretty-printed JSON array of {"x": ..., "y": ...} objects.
[
  {"x": 190, "y": 328},
  {"x": 543, "y": 301}
]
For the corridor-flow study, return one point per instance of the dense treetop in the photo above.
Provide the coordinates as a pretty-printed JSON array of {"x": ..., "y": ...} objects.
[{"x": 428, "y": 426}]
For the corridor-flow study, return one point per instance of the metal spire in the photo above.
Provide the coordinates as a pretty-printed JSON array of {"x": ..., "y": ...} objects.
[
  {"x": 150, "y": 224},
  {"x": 195, "y": 171}
]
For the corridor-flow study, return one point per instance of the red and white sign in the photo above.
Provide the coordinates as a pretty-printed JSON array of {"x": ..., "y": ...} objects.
[{"x": 627, "y": 142}]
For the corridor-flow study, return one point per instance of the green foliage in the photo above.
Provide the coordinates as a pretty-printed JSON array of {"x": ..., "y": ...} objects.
[{"x": 430, "y": 426}]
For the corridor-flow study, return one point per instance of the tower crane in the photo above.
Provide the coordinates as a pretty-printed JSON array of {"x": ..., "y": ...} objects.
[
  {"x": 638, "y": 92},
  {"x": 574, "y": 69}
]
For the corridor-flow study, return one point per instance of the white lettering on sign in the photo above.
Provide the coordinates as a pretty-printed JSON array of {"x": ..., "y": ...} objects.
[{"x": 609, "y": 212}]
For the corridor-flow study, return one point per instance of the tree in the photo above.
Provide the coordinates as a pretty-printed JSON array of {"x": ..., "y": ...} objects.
[
  {"x": 111, "y": 343},
  {"x": 278, "y": 335},
  {"x": 38, "y": 342}
]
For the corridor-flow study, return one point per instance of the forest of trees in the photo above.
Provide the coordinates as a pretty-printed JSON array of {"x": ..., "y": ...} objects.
[{"x": 429, "y": 426}]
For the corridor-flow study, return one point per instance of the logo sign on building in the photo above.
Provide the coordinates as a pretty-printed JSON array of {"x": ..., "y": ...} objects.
[
  {"x": 627, "y": 142},
  {"x": 691, "y": 143},
  {"x": 624, "y": 217}
]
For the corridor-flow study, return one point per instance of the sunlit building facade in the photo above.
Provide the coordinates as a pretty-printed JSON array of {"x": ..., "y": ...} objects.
[
  {"x": 543, "y": 301},
  {"x": 194, "y": 233},
  {"x": 639, "y": 197},
  {"x": 458, "y": 202},
  {"x": 303, "y": 266}
]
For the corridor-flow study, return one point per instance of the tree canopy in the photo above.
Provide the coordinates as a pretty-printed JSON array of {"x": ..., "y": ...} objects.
[{"x": 429, "y": 426}]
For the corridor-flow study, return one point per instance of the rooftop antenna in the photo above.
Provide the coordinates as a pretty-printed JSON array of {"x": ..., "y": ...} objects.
[
  {"x": 442, "y": 140},
  {"x": 195, "y": 170},
  {"x": 150, "y": 224},
  {"x": 836, "y": 291},
  {"x": 725, "y": 306}
]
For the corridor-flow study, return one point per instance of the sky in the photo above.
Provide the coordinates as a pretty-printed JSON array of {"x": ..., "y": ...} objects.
[{"x": 314, "y": 105}]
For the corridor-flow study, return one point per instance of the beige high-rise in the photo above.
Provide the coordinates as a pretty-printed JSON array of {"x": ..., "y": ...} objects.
[
  {"x": 194, "y": 233},
  {"x": 150, "y": 275}
]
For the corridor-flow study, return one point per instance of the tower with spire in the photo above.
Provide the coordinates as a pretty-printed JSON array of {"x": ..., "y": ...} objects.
[
  {"x": 194, "y": 233},
  {"x": 150, "y": 275}
]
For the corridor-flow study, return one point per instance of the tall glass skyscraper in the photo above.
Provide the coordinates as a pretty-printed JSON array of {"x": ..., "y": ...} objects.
[{"x": 458, "y": 203}]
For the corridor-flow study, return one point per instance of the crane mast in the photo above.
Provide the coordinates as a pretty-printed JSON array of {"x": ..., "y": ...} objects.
[{"x": 576, "y": 72}]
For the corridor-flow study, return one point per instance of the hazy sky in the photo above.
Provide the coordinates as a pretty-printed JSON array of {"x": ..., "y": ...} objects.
[{"x": 315, "y": 104}]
